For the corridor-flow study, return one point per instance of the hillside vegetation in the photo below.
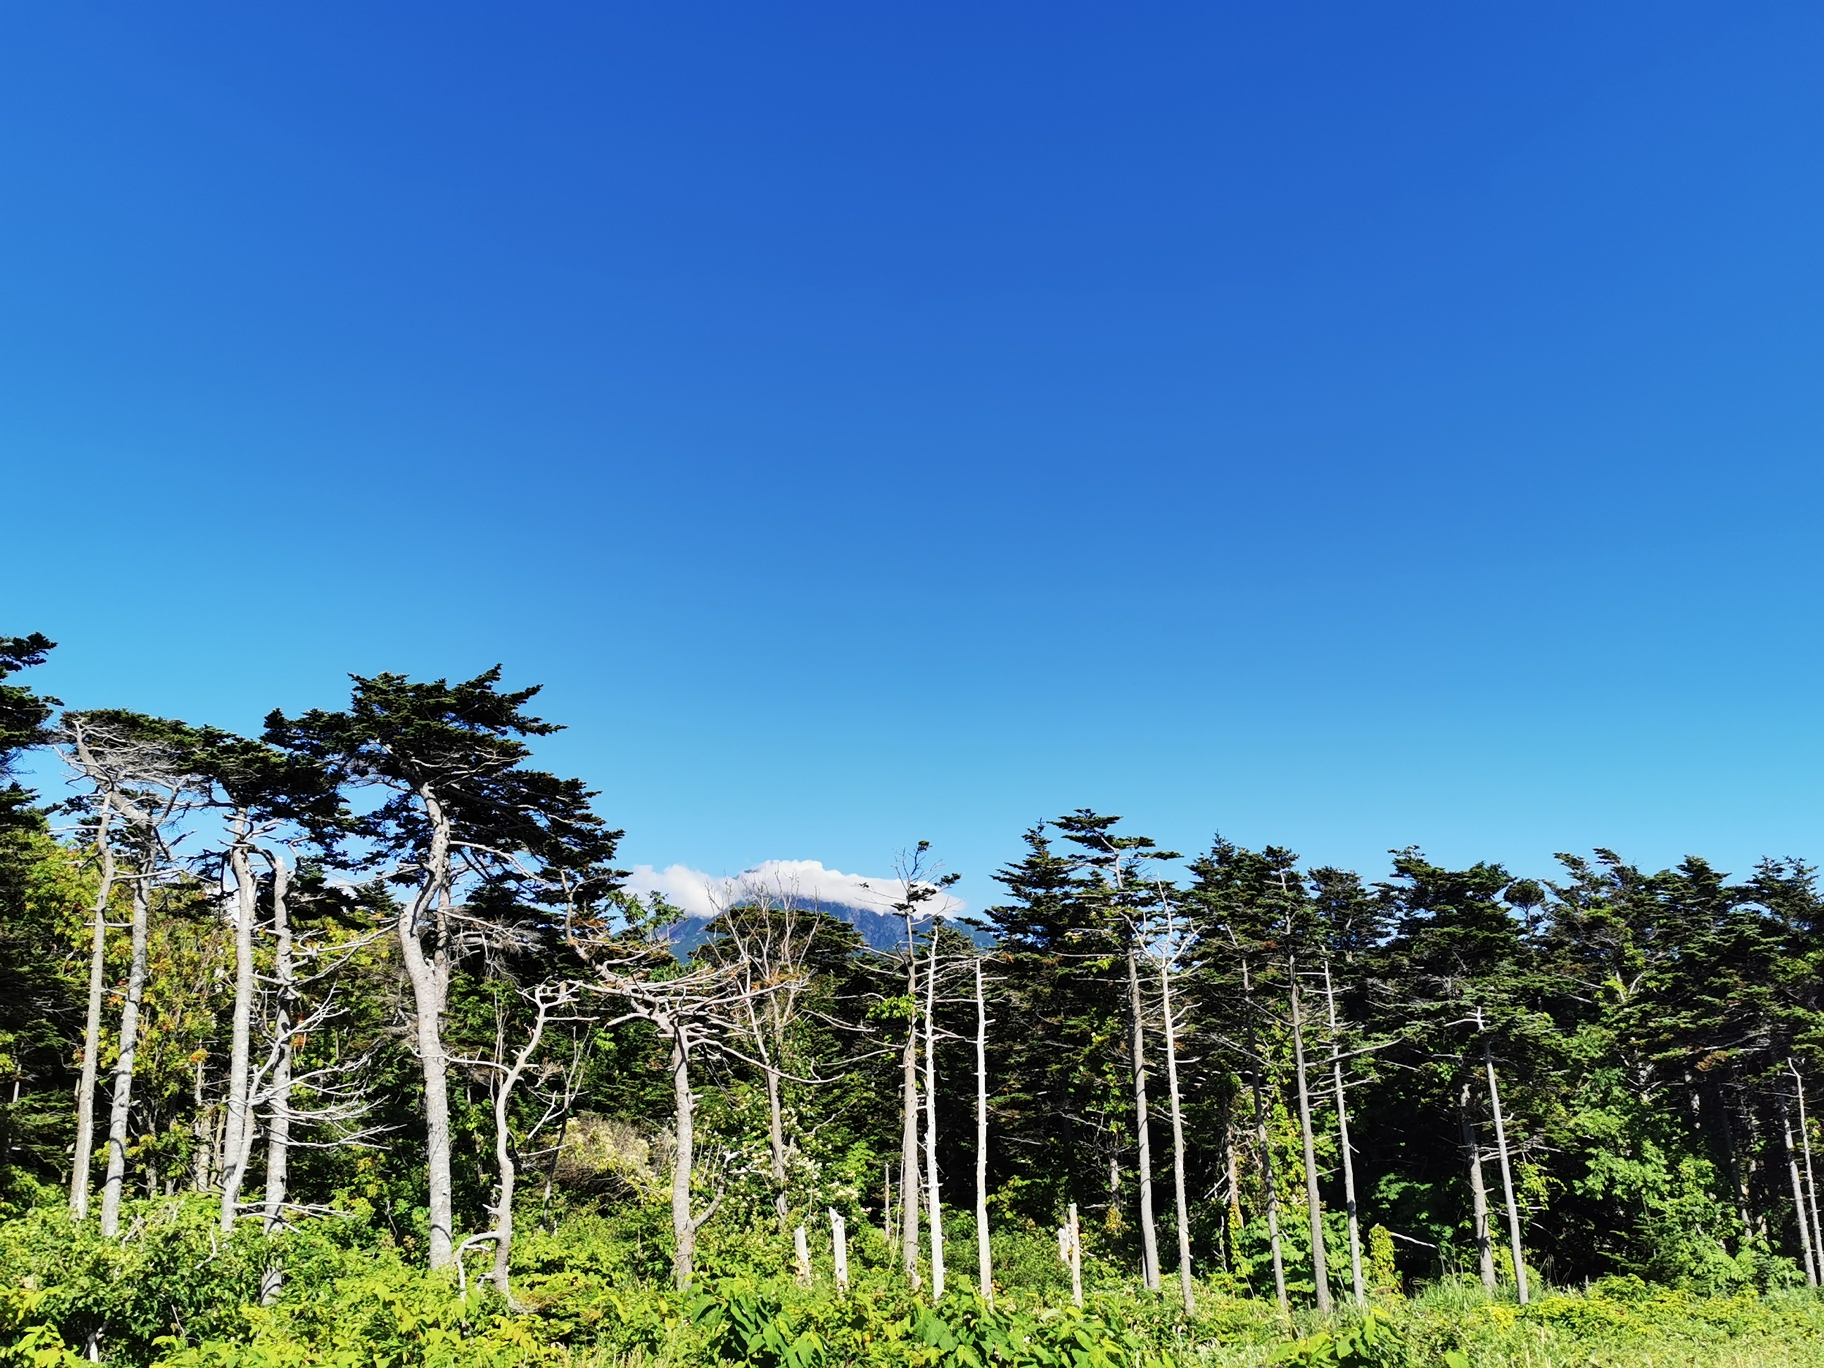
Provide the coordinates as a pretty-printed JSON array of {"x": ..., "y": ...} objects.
[{"x": 345, "y": 1044}]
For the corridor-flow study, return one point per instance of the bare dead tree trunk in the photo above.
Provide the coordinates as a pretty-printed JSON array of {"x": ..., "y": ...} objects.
[
  {"x": 1171, "y": 1078},
  {"x": 1811, "y": 1186},
  {"x": 1266, "y": 1149},
  {"x": 984, "y": 1256},
  {"x": 240, "y": 1117},
  {"x": 1507, "y": 1176},
  {"x": 278, "y": 1119},
  {"x": 278, "y": 1124},
  {"x": 1320, "y": 1270},
  {"x": 933, "y": 1195},
  {"x": 1149, "y": 1236},
  {"x": 1076, "y": 1258},
  {"x": 84, "y": 1157},
  {"x": 1798, "y": 1196},
  {"x": 429, "y": 977},
  {"x": 908, "y": 1144},
  {"x": 839, "y": 1249},
  {"x": 1478, "y": 1192},
  {"x": 683, "y": 1227},
  {"x": 202, "y": 1128},
  {"x": 545, "y": 1001},
  {"x": 1342, "y": 1136},
  {"x": 129, "y": 1049}
]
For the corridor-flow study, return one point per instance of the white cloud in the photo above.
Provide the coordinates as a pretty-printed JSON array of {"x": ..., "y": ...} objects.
[{"x": 700, "y": 894}]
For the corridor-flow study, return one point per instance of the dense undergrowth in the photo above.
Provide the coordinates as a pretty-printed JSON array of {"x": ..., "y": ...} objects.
[{"x": 594, "y": 1291}]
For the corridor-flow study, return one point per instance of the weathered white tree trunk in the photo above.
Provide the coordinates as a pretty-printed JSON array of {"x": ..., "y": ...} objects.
[
  {"x": 84, "y": 1155},
  {"x": 775, "y": 1134},
  {"x": 278, "y": 1122},
  {"x": 908, "y": 1142},
  {"x": 933, "y": 1196},
  {"x": 1185, "y": 1289},
  {"x": 984, "y": 1256},
  {"x": 1478, "y": 1193},
  {"x": 1076, "y": 1257},
  {"x": 839, "y": 1249},
  {"x": 1507, "y": 1176},
  {"x": 1265, "y": 1139},
  {"x": 429, "y": 976},
  {"x": 1149, "y": 1235},
  {"x": 1320, "y": 1270},
  {"x": 122, "y": 1104},
  {"x": 240, "y": 1041},
  {"x": 202, "y": 1129},
  {"x": 1342, "y": 1136},
  {"x": 1798, "y": 1196},
  {"x": 1811, "y": 1186},
  {"x": 683, "y": 1228}
]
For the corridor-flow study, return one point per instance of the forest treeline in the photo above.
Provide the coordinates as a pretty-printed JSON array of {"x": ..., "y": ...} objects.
[{"x": 374, "y": 966}]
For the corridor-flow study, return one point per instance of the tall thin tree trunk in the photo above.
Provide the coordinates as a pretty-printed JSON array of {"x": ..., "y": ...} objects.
[
  {"x": 1320, "y": 1270},
  {"x": 83, "y": 1161},
  {"x": 1798, "y": 1196},
  {"x": 1266, "y": 1150},
  {"x": 1725, "y": 1136},
  {"x": 683, "y": 1228},
  {"x": 202, "y": 1128},
  {"x": 1185, "y": 1290},
  {"x": 1149, "y": 1237},
  {"x": 129, "y": 1049},
  {"x": 278, "y": 1117},
  {"x": 775, "y": 1135},
  {"x": 908, "y": 1141},
  {"x": 1232, "y": 1175},
  {"x": 429, "y": 976},
  {"x": 984, "y": 1257},
  {"x": 505, "y": 1162},
  {"x": 1507, "y": 1175},
  {"x": 1478, "y": 1193},
  {"x": 278, "y": 1121},
  {"x": 240, "y": 1119},
  {"x": 1342, "y": 1136},
  {"x": 1811, "y": 1186},
  {"x": 935, "y": 1209}
]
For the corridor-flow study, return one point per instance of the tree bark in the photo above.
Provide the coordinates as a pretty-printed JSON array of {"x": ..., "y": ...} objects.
[
  {"x": 775, "y": 1134},
  {"x": 1798, "y": 1196},
  {"x": 429, "y": 977},
  {"x": 933, "y": 1196},
  {"x": 1811, "y": 1186},
  {"x": 1185, "y": 1290},
  {"x": 908, "y": 1142},
  {"x": 1320, "y": 1269},
  {"x": 505, "y": 1165},
  {"x": 683, "y": 1228},
  {"x": 129, "y": 1049},
  {"x": 1507, "y": 1176},
  {"x": 1342, "y": 1136},
  {"x": 1232, "y": 1175},
  {"x": 1478, "y": 1193},
  {"x": 1266, "y": 1149},
  {"x": 984, "y": 1256},
  {"x": 839, "y": 1249},
  {"x": 84, "y": 1156},
  {"x": 1149, "y": 1236},
  {"x": 278, "y": 1122},
  {"x": 240, "y": 1118},
  {"x": 202, "y": 1128},
  {"x": 1076, "y": 1258}
]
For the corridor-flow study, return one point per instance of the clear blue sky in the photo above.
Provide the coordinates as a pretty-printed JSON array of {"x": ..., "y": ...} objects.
[{"x": 1345, "y": 425}]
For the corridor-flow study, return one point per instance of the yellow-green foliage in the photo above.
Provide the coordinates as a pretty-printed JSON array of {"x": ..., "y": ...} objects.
[{"x": 593, "y": 1294}]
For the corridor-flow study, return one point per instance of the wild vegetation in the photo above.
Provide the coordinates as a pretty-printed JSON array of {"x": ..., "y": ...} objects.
[{"x": 346, "y": 1044}]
